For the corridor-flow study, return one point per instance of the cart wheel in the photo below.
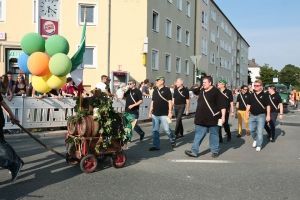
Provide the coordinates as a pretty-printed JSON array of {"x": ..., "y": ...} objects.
[
  {"x": 88, "y": 163},
  {"x": 71, "y": 160},
  {"x": 102, "y": 157},
  {"x": 118, "y": 159}
]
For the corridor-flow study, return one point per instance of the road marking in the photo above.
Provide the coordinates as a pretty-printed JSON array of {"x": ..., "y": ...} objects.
[{"x": 203, "y": 161}]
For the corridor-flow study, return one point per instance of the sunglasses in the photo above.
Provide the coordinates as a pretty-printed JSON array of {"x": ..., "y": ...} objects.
[
  {"x": 257, "y": 85},
  {"x": 130, "y": 83}
]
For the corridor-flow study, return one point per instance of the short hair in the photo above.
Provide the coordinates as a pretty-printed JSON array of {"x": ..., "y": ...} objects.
[
  {"x": 151, "y": 84},
  {"x": 209, "y": 78},
  {"x": 258, "y": 81},
  {"x": 133, "y": 81},
  {"x": 180, "y": 79},
  {"x": 273, "y": 87},
  {"x": 122, "y": 85},
  {"x": 103, "y": 76},
  {"x": 146, "y": 81},
  {"x": 243, "y": 86},
  {"x": 9, "y": 72},
  {"x": 69, "y": 79},
  {"x": 250, "y": 84}
]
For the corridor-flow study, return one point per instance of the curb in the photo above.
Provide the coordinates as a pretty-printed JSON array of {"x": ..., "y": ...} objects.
[{"x": 63, "y": 132}]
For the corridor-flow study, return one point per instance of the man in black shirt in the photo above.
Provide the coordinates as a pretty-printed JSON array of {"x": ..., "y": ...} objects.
[
  {"x": 134, "y": 99},
  {"x": 210, "y": 110},
  {"x": 259, "y": 106},
  {"x": 241, "y": 110},
  {"x": 228, "y": 98},
  {"x": 161, "y": 113},
  {"x": 11, "y": 161},
  {"x": 181, "y": 101},
  {"x": 276, "y": 105}
]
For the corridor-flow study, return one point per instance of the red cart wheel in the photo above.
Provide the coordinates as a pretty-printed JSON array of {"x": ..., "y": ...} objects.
[
  {"x": 88, "y": 163},
  {"x": 118, "y": 159},
  {"x": 71, "y": 160}
]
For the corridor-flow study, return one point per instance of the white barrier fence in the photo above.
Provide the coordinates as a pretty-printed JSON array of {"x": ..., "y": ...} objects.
[{"x": 51, "y": 112}]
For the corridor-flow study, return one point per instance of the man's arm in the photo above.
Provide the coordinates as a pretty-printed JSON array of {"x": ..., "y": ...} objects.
[
  {"x": 150, "y": 110},
  {"x": 223, "y": 111},
  {"x": 268, "y": 113},
  {"x": 187, "y": 109},
  {"x": 281, "y": 110},
  {"x": 12, "y": 117},
  {"x": 170, "y": 109},
  {"x": 136, "y": 104},
  {"x": 237, "y": 105},
  {"x": 248, "y": 110},
  {"x": 232, "y": 109}
]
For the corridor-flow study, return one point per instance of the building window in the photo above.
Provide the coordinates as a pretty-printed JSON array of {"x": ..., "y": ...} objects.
[
  {"x": 204, "y": 46},
  {"x": 220, "y": 61},
  {"x": 187, "y": 38},
  {"x": 230, "y": 32},
  {"x": 212, "y": 36},
  {"x": 212, "y": 58},
  {"x": 178, "y": 33},
  {"x": 2, "y": 10},
  {"x": 170, "y": 1},
  {"x": 90, "y": 57},
  {"x": 217, "y": 51},
  {"x": 226, "y": 28},
  {"x": 155, "y": 21},
  {"x": 168, "y": 28},
  {"x": 154, "y": 61},
  {"x": 222, "y": 24},
  {"x": 218, "y": 32},
  {"x": 34, "y": 11},
  {"x": 91, "y": 14},
  {"x": 187, "y": 67},
  {"x": 178, "y": 65},
  {"x": 179, "y": 4},
  {"x": 205, "y": 1},
  {"x": 213, "y": 14},
  {"x": 188, "y": 9},
  {"x": 168, "y": 62},
  {"x": 204, "y": 20}
]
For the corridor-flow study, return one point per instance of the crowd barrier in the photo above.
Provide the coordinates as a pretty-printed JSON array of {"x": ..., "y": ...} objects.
[{"x": 52, "y": 112}]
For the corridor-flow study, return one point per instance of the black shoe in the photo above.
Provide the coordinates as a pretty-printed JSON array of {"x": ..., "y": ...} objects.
[
  {"x": 176, "y": 136},
  {"x": 189, "y": 153},
  {"x": 239, "y": 135},
  {"x": 272, "y": 140},
  {"x": 173, "y": 144},
  {"x": 15, "y": 170},
  {"x": 214, "y": 155},
  {"x": 228, "y": 137},
  {"x": 269, "y": 135},
  {"x": 181, "y": 136},
  {"x": 154, "y": 149},
  {"x": 142, "y": 137},
  {"x": 220, "y": 140}
]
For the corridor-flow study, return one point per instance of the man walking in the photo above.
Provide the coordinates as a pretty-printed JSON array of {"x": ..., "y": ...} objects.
[
  {"x": 134, "y": 99},
  {"x": 161, "y": 113},
  {"x": 228, "y": 98},
  {"x": 258, "y": 105},
  {"x": 241, "y": 110},
  {"x": 11, "y": 161},
  {"x": 181, "y": 101},
  {"x": 275, "y": 106},
  {"x": 210, "y": 110}
]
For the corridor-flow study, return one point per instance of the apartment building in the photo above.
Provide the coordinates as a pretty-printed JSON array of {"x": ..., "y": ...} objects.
[
  {"x": 125, "y": 39},
  {"x": 223, "y": 49}
]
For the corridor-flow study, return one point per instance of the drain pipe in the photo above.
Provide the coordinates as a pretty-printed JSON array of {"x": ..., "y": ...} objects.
[
  {"x": 108, "y": 38},
  {"x": 195, "y": 38}
]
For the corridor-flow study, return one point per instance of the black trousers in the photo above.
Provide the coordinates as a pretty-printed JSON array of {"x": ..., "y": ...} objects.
[
  {"x": 226, "y": 126},
  {"x": 270, "y": 126},
  {"x": 178, "y": 114}
]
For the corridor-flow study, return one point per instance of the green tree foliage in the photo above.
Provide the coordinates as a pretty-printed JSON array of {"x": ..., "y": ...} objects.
[
  {"x": 266, "y": 74},
  {"x": 290, "y": 75}
]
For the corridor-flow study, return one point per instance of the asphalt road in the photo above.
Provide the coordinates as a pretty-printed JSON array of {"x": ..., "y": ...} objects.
[{"x": 238, "y": 173}]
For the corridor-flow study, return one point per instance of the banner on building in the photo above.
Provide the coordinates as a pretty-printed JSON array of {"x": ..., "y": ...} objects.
[{"x": 48, "y": 28}]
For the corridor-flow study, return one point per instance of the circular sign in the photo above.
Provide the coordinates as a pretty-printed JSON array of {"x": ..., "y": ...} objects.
[{"x": 49, "y": 27}]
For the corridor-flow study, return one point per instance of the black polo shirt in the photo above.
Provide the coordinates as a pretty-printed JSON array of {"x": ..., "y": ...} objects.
[
  {"x": 228, "y": 98},
  {"x": 196, "y": 91},
  {"x": 137, "y": 96},
  {"x": 256, "y": 108},
  {"x": 160, "y": 106},
  {"x": 180, "y": 96},
  {"x": 2, "y": 120},
  {"x": 276, "y": 99},
  {"x": 242, "y": 104}
]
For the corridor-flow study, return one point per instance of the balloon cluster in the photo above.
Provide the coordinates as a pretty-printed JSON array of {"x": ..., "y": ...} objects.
[{"x": 46, "y": 61}]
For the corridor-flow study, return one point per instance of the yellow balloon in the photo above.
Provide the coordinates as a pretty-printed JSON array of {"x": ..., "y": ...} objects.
[
  {"x": 39, "y": 83},
  {"x": 56, "y": 82}
]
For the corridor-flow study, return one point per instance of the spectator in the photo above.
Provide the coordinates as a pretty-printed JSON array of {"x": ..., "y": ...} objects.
[
  {"x": 68, "y": 90},
  {"x": 4, "y": 88},
  {"x": 141, "y": 85},
  {"x": 120, "y": 91},
  {"x": 108, "y": 84},
  {"x": 11, "y": 82},
  {"x": 102, "y": 85},
  {"x": 145, "y": 89},
  {"x": 151, "y": 89},
  {"x": 55, "y": 94},
  {"x": 20, "y": 86}
]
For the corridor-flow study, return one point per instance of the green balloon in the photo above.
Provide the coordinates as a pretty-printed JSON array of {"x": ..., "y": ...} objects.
[
  {"x": 57, "y": 44},
  {"x": 60, "y": 64},
  {"x": 32, "y": 42}
]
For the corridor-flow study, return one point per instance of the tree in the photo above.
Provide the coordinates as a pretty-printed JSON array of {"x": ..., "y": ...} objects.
[
  {"x": 266, "y": 74},
  {"x": 249, "y": 76},
  {"x": 290, "y": 75}
]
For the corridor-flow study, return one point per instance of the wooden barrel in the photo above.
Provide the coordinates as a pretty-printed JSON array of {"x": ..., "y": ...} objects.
[
  {"x": 72, "y": 128},
  {"x": 95, "y": 127},
  {"x": 87, "y": 127}
]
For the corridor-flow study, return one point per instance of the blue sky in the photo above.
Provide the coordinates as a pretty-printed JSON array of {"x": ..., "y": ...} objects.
[{"x": 271, "y": 28}]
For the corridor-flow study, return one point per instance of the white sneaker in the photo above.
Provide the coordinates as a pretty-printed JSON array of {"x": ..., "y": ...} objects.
[
  {"x": 258, "y": 148},
  {"x": 254, "y": 144}
]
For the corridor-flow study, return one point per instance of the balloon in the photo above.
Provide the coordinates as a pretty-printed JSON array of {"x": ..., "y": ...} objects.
[
  {"x": 22, "y": 63},
  {"x": 32, "y": 42},
  {"x": 39, "y": 84},
  {"x": 56, "y": 82},
  {"x": 60, "y": 64},
  {"x": 57, "y": 44},
  {"x": 38, "y": 64}
]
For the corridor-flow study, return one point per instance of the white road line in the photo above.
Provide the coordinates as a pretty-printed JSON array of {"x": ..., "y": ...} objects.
[{"x": 202, "y": 161}]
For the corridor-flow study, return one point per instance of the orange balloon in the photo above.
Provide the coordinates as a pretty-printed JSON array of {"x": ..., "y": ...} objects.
[{"x": 38, "y": 64}]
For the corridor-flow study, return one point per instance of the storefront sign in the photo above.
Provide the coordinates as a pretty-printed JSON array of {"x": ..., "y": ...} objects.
[
  {"x": 2, "y": 35},
  {"x": 48, "y": 28},
  {"x": 12, "y": 56}
]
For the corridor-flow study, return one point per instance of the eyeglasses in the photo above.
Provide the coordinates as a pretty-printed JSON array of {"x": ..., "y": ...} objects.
[
  {"x": 130, "y": 83},
  {"x": 245, "y": 89},
  {"x": 257, "y": 85}
]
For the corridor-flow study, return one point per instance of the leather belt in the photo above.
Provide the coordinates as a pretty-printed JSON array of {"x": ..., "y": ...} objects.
[{"x": 179, "y": 104}]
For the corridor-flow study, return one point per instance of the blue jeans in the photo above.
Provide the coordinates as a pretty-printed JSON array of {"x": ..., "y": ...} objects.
[
  {"x": 200, "y": 133},
  {"x": 137, "y": 128},
  {"x": 156, "y": 121},
  {"x": 256, "y": 128},
  {"x": 10, "y": 156}
]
